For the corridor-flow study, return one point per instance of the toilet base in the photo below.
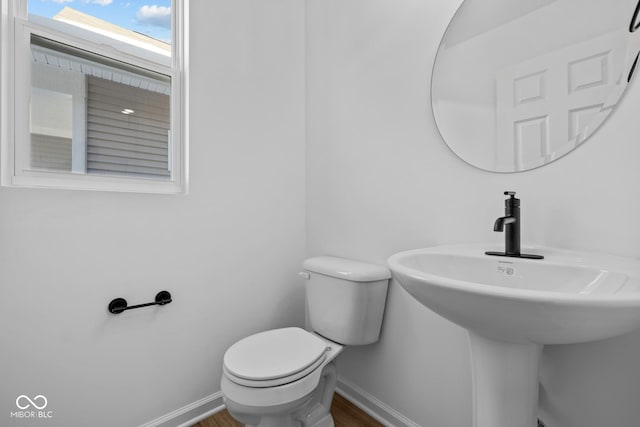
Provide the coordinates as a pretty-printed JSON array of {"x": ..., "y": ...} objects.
[
  {"x": 319, "y": 416},
  {"x": 309, "y": 416},
  {"x": 312, "y": 410},
  {"x": 278, "y": 416}
]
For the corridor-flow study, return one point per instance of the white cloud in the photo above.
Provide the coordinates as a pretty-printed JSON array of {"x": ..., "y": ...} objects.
[
  {"x": 62, "y": 1},
  {"x": 157, "y": 16}
]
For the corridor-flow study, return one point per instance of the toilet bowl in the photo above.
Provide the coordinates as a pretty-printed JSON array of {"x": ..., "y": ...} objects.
[
  {"x": 286, "y": 377},
  {"x": 282, "y": 377}
]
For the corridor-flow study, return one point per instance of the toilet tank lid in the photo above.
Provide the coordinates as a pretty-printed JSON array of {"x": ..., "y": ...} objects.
[{"x": 347, "y": 269}]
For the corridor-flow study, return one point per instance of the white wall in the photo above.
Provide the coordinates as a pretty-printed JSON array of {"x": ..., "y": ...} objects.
[
  {"x": 380, "y": 180},
  {"x": 228, "y": 252}
]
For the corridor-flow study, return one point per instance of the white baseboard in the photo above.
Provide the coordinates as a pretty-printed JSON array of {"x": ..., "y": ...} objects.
[
  {"x": 190, "y": 414},
  {"x": 382, "y": 412}
]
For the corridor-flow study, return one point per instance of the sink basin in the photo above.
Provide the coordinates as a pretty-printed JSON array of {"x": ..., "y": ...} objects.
[
  {"x": 567, "y": 297},
  {"x": 512, "y": 307}
]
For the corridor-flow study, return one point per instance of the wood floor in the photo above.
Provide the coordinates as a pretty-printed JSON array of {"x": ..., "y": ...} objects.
[{"x": 345, "y": 414}]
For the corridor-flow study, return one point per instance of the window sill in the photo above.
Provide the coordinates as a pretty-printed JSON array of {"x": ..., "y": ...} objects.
[{"x": 62, "y": 181}]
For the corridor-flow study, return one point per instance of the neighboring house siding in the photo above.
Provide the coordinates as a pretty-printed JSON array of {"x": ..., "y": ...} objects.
[
  {"x": 129, "y": 144},
  {"x": 50, "y": 152}
]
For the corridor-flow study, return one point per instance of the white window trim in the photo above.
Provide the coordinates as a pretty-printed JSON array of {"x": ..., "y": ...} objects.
[{"x": 15, "y": 37}]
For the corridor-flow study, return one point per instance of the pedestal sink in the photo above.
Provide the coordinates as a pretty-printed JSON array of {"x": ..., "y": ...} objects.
[{"x": 511, "y": 307}]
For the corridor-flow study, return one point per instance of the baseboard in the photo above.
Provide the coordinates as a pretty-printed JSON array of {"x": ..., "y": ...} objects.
[
  {"x": 190, "y": 414},
  {"x": 377, "y": 409}
]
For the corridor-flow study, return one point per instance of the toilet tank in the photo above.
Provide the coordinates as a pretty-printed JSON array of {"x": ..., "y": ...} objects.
[{"x": 345, "y": 299}]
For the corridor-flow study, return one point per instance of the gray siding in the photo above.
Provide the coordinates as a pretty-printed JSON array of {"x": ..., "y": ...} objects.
[
  {"x": 127, "y": 144},
  {"x": 50, "y": 152}
]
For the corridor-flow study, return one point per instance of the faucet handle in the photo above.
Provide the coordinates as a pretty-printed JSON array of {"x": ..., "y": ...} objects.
[{"x": 511, "y": 202}]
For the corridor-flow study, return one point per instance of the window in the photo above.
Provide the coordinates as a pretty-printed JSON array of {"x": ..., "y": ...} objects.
[{"x": 97, "y": 95}]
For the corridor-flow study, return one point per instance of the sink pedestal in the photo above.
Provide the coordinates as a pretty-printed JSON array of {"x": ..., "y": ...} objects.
[{"x": 505, "y": 382}]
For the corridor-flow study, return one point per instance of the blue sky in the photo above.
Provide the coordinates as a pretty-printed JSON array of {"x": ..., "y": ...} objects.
[{"x": 150, "y": 17}]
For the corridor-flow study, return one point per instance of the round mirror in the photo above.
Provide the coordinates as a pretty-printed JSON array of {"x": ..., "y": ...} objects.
[{"x": 518, "y": 84}]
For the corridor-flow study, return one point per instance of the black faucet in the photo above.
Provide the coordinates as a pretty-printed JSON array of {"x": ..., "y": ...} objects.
[{"x": 510, "y": 225}]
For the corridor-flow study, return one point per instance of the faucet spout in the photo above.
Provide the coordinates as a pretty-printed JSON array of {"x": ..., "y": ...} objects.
[{"x": 502, "y": 221}]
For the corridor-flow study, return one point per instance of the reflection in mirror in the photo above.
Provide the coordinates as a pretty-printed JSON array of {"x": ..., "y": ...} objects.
[
  {"x": 518, "y": 84},
  {"x": 635, "y": 21}
]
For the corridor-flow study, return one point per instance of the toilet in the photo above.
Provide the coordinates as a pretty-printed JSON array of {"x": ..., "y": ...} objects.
[{"x": 286, "y": 377}]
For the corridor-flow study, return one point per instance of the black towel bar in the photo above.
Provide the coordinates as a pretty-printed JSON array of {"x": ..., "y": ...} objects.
[{"x": 118, "y": 305}]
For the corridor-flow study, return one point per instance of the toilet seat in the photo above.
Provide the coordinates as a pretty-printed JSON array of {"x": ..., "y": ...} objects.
[
  {"x": 273, "y": 358},
  {"x": 268, "y": 397}
]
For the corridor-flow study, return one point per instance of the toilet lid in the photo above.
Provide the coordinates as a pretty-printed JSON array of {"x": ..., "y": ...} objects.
[{"x": 274, "y": 354}]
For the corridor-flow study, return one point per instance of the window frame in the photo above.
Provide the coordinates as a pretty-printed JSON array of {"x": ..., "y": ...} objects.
[{"x": 15, "y": 92}]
